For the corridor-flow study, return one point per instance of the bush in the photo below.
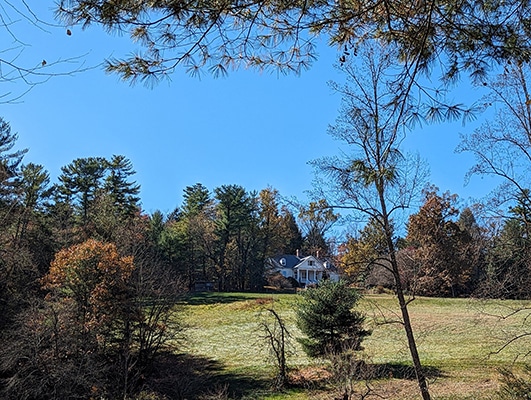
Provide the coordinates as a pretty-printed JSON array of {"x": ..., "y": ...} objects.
[{"x": 278, "y": 281}]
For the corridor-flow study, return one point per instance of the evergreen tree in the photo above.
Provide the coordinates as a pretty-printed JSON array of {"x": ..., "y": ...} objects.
[
  {"x": 236, "y": 225},
  {"x": 326, "y": 316},
  {"x": 124, "y": 194},
  {"x": 444, "y": 265},
  {"x": 508, "y": 272},
  {"x": 290, "y": 232},
  {"x": 196, "y": 199},
  {"x": 456, "y": 36},
  {"x": 80, "y": 182},
  {"x": 10, "y": 161},
  {"x": 98, "y": 193}
]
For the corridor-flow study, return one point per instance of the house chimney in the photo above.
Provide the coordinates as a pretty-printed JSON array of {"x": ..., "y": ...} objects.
[
  {"x": 297, "y": 252},
  {"x": 317, "y": 254}
]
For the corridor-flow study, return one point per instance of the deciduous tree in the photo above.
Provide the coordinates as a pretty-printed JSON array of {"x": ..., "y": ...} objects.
[
  {"x": 362, "y": 253},
  {"x": 373, "y": 178},
  {"x": 316, "y": 220},
  {"x": 501, "y": 144},
  {"x": 94, "y": 276},
  {"x": 443, "y": 257}
]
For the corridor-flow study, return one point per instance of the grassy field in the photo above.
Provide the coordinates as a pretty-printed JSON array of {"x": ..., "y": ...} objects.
[{"x": 457, "y": 339}]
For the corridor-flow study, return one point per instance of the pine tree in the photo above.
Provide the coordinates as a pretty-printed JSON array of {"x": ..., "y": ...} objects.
[{"x": 326, "y": 316}]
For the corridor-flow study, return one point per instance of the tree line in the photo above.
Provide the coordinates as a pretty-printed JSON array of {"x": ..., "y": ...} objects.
[
  {"x": 89, "y": 282},
  {"x": 446, "y": 252},
  {"x": 222, "y": 236}
]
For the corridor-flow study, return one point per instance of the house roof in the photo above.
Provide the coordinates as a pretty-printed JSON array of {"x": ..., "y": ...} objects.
[
  {"x": 290, "y": 260},
  {"x": 317, "y": 263}
]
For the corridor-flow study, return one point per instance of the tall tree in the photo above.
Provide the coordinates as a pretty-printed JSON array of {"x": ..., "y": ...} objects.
[
  {"x": 501, "y": 144},
  {"x": 196, "y": 199},
  {"x": 100, "y": 193},
  {"x": 508, "y": 272},
  {"x": 270, "y": 221},
  {"x": 234, "y": 214},
  {"x": 316, "y": 220},
  {"x": 10, "y": 161},
  {"x": 16, "y": 269},
  {"x": 444, "y": 267},
  {"x": 124, "y": 193},
  {"x": 373, "y": 178},
  {"x": 80, "y": 182},
  {"x": 198, "y": 226},
  {"x": 33, "y": 227},
  {"x": 289, "y": 230}
]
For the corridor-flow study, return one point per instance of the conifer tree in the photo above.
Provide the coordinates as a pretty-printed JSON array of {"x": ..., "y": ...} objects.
[{"x": 327, "y": 317}]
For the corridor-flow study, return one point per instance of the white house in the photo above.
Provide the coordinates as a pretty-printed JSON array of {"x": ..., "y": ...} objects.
[{"x": 306, "y": 270}]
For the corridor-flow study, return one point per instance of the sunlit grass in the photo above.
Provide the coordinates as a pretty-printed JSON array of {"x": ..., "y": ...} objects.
[{"x": 457, "y": 337}]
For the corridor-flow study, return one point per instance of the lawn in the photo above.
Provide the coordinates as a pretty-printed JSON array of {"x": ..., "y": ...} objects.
[{"x": 457, "y": 339}]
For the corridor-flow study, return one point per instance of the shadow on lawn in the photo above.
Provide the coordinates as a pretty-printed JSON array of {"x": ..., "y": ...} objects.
[
  {"x": 185, "y": 376},
  {"x": 401, "y": 371},
  {"x": 206, "y": 298}
]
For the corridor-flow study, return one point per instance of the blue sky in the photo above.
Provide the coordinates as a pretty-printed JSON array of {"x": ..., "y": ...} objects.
[{"x": 253, "y": 129}]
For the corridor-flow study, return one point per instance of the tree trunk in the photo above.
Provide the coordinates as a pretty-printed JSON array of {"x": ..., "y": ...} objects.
[{"x": 419, "y": 372}]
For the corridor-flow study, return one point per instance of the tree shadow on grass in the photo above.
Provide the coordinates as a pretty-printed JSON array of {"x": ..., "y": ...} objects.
[
  {"x": 207, "y": 298},
  {"x": 185, "y": 376},
  {"x": 401, "y": 371}
]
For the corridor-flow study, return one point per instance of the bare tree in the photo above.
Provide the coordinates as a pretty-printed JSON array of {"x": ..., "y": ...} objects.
[
  {"x": 23, "y": 67},
  {"x": 277, "y": 336},
  {"x": 373, "y": 178},
  {"x": 501, "y": 147},
  {"x": 501, "y": 144}
]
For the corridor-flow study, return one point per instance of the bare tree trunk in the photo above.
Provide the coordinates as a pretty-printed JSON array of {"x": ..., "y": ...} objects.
[{"x": 412, "y": 345}]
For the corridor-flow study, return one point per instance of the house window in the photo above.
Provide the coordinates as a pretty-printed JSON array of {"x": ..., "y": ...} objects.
[
  {"x": 283, "y": 262},
  {"x": 310, "y": 263}
]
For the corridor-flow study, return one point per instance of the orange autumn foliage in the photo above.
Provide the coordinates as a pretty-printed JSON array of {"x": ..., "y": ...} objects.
[{"x": 95, "y": 277}]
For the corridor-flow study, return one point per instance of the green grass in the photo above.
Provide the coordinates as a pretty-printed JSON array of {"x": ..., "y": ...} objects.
[{"x": 457, "y": 339}]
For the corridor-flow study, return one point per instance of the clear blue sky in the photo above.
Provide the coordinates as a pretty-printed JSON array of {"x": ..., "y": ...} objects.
[{"x": 251, "y": 129}]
